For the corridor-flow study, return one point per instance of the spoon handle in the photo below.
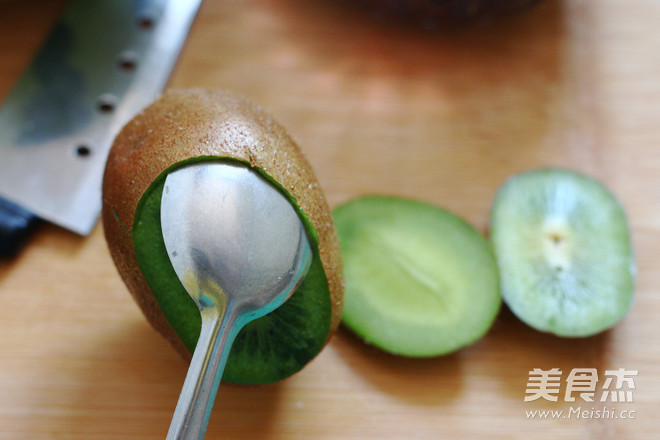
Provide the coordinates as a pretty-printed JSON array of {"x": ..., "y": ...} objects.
[{"x": 191, "y": 416}]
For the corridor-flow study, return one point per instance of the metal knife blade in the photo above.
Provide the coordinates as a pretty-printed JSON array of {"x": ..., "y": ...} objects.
[{"x": 102, "y": 63}]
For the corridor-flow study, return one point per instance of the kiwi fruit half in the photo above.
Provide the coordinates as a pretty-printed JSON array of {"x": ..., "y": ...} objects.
[
  {"x": 185, "y": 126},
  {"x": 420, "y": 281},
  {"x": 564, "y": 252}
]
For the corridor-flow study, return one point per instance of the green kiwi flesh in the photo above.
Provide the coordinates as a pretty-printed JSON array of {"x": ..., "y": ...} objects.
[
  {"x": 266, "y": 350},
  {"x": 420, "y": 281},
  {"x": 564, "y": 252}
]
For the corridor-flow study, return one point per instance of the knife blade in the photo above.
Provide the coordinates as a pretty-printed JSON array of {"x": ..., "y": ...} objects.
[{"x": 101, "y": 64}]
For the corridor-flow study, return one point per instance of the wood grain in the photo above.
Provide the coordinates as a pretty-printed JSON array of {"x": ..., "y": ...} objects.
[{"x": 443, "y": 116}]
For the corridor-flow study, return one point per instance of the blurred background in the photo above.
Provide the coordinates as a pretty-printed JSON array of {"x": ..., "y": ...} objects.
[{"x": 383, "y": 98}]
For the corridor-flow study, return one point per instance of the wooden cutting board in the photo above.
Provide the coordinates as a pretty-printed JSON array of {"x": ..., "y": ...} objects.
[{"x": 442, "y": 116}]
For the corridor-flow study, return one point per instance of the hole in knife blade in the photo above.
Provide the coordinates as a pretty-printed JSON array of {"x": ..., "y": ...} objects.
[
  {"x": 127, "y": 61},
  {"x": 106, "y": 103},
  {"x": 83, "y": 151},
  {"x": 145, "y": 22}
]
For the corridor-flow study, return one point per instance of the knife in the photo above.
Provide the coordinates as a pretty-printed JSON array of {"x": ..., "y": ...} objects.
[{"x": 102, "y": 63}]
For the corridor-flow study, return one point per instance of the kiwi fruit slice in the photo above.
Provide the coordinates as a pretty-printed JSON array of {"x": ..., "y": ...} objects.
[
  {"x": 185, "y": 126},
  {"x": 564, "y": 252},
  {"x": 420, "y": 281}
]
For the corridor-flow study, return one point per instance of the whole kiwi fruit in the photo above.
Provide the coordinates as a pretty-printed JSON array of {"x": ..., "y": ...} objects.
[
  {"x": 185, "y": 126},
  {"x": 444, "y": 12}
]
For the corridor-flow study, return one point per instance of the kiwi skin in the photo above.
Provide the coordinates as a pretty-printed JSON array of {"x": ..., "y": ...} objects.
[{"x": 184, "y": 124}]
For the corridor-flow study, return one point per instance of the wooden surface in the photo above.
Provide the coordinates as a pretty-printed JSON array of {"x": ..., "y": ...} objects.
[{"x": 441, "y": 116}]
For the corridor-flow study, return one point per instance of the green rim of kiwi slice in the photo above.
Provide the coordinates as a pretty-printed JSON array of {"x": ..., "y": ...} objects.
[
  {"x": 564, "y": 252},
  {"x": 266, "y": 350},
  {"x": 420, "y": 281}
]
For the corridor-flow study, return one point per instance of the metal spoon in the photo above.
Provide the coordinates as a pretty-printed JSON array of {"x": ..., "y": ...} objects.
[{"x": 240, "y": 250}]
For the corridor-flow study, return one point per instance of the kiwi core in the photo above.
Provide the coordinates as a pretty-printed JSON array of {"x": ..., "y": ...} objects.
[{"x": 557, "y": 245}]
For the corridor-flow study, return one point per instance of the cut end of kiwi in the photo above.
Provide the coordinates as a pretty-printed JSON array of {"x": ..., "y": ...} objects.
[
  {"x": 420, "y": 281},
  {"x": 564, "y": 252},
  {"x": 266, "y": 350},
  {"x": 185, "y": 126}
]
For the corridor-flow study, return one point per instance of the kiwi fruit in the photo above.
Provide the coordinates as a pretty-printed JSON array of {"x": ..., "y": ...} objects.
[
  {"x": 564, "y": 252},
  {"x": 420, "y": 281},
  {"x": 444, "y": 12},
  {"x": 192, "y": 126}
]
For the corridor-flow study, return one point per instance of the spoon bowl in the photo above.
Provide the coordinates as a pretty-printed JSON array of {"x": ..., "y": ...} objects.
[{"x": 240, "y": 250}]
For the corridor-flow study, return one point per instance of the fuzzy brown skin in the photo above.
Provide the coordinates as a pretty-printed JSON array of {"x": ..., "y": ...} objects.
[{"x": 188, "y": 123}]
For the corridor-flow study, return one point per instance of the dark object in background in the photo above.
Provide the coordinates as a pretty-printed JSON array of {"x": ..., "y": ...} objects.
[
  {"x": 16, "y": 224},
  {"x": 435, "y": 13}
]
